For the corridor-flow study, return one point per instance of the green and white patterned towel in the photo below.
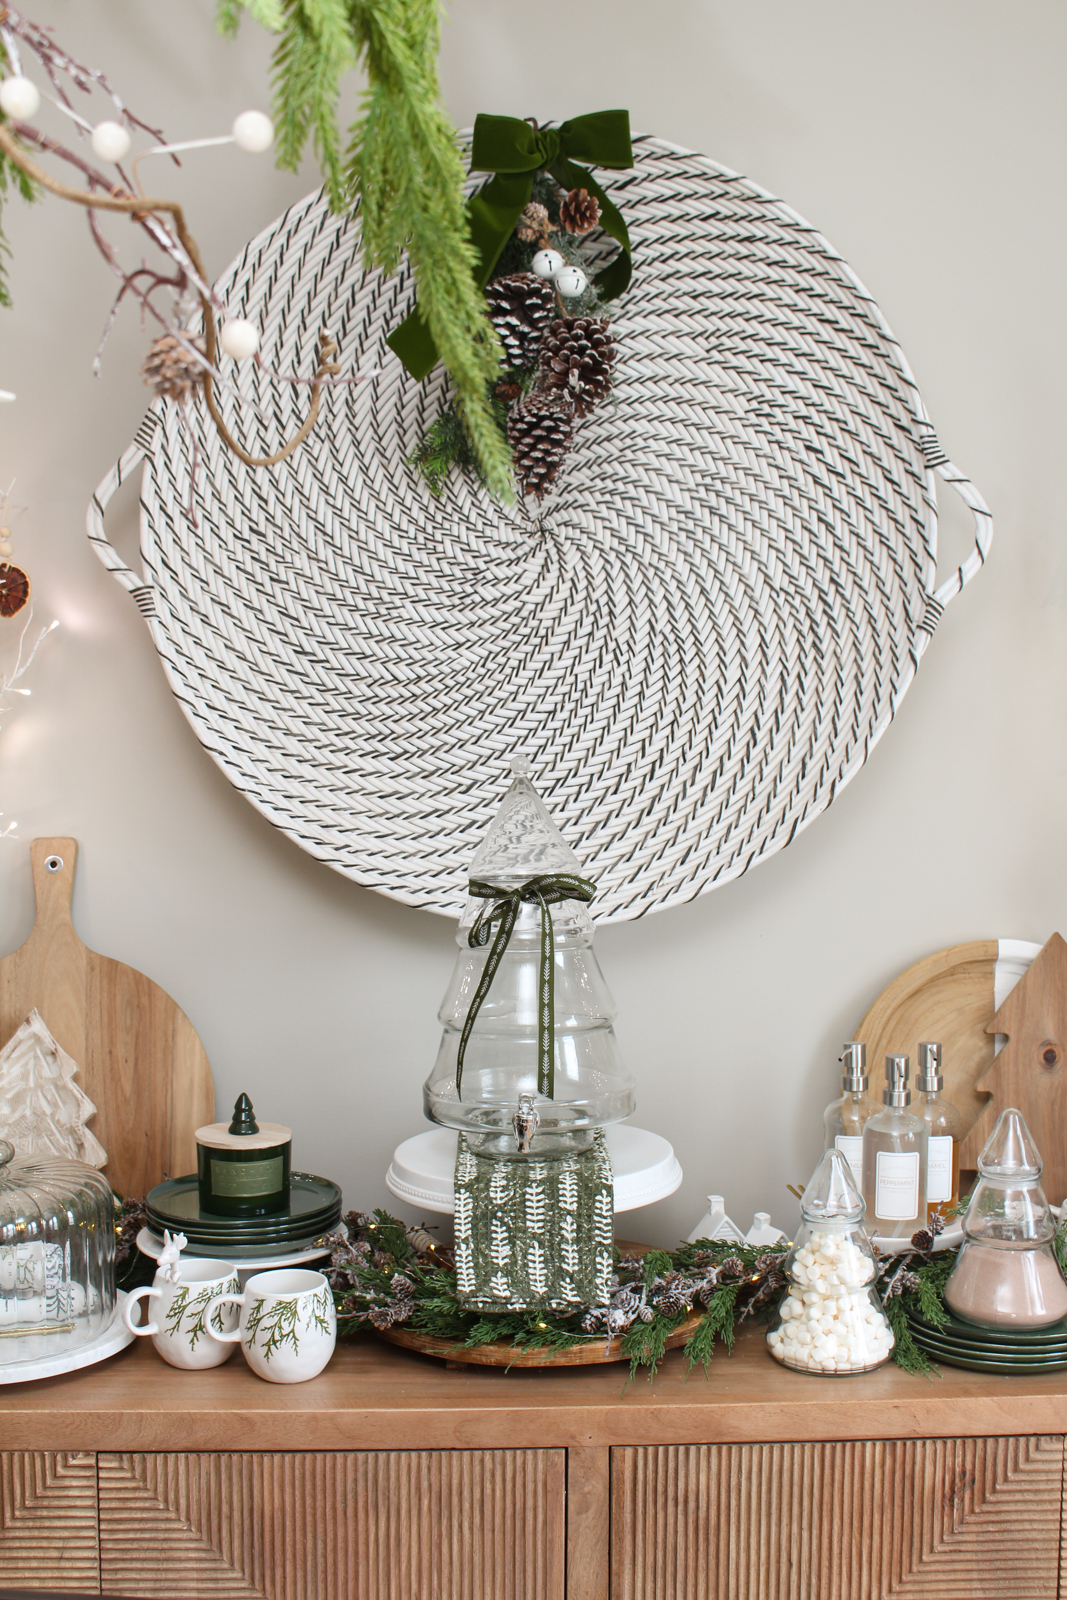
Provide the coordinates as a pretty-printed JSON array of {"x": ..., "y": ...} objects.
[{"x": 534, "y": 1232}]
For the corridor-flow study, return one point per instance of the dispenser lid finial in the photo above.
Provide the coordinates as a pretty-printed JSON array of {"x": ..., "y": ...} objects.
[
  {"x": 522, "y": 840},
  {"x": 244, "y": 1120}
]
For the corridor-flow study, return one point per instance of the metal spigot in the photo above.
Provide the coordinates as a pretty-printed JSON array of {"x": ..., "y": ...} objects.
[{"x": 525, "y": 1122}]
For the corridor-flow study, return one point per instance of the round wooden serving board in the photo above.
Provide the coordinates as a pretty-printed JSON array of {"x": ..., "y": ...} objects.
[{"x": 502, "y": 1354}]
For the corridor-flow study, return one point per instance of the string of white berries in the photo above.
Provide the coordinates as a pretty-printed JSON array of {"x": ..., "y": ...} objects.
[{"x": 569, "y": 281}]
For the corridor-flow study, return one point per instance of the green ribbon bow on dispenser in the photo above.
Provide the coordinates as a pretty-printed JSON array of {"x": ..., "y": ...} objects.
[
  {"x": 515, "y": 150},
  {"x": 547, "y": 890}
]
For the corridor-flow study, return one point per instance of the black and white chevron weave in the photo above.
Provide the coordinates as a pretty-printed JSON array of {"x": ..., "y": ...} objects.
[{"x": 697, "y": 639}]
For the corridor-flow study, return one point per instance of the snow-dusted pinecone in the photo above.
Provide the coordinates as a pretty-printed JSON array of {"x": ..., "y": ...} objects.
[
  {"x": 520, "y": 308},
  {"x": 732, "y": 1267},
  {"x": 382, "y": 1317},
  {"x": 577, "y": 355},
  {"x": 540, "y": 430},
  {"x": 936, "y": 1224},
  {"x": 533, "y": 224},
  {"x": 169, "y": 368},
  {"x": 580, "y": 211},
  {"x": 672, "y": 1303}
]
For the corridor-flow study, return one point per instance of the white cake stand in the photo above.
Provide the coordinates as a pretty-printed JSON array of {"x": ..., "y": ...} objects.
[
  {"x": 645, "y": 1168},
  {"x": 115, "y": 1337}
]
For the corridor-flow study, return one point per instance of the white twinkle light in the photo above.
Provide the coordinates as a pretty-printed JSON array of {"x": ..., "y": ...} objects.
[
  {"x": 110, "y": 141},
  {"x": 19, "y": 98},
  {"x": 253, "y": 131},
  {"x": 239, "y": 338}
]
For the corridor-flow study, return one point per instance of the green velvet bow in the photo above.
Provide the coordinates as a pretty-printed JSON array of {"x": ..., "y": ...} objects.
[
  {"x": 547, "y": 889},
  {"x": 514, "y": 151}
]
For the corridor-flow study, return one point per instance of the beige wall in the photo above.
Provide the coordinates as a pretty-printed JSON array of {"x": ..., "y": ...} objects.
[{"x": 927, "y": 142}]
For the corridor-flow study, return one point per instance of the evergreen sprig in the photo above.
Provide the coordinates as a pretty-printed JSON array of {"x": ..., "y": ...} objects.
[
  {"x": 11, "y": 177},
  {"x": 401, "y": 169}
]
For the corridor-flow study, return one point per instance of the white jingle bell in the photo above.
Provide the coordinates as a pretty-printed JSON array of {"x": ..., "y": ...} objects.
[
  {"x": 239, "y": 338},
  {"x": 19, "y": 98},
  {"x": 546, "y": 263},
  {"x": 571, "y": 281},
  {"x": 253, "y": 131},
  {"x": 110, "y": 141}
]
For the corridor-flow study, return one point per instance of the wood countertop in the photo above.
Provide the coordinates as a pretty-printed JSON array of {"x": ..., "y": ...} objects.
[{"x": 376, "y": 1397}]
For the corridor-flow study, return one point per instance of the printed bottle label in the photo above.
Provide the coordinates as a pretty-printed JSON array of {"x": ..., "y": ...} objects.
[
  {"x": 939, "y": 1169},
  {"x": 896, "y": 1185},
  {"x": 244, "y": 1178},
  {"x": 851, "y": 1147}
]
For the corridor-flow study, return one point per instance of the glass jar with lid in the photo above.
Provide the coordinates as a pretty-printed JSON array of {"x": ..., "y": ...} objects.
[
  {"x": 497, "y": 1094},
  {"x": 1006, "y": 1274},
  {"x": 831, "y": 1321},
  {"x": 57, "y": 1255}
]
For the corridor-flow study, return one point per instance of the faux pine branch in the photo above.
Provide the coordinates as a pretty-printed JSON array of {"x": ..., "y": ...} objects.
[{"x": 400, "y": 167}]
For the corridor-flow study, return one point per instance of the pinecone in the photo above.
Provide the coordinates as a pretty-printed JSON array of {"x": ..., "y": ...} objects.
[
  {"x": 507, "y": 391},
  {"x": 671, "y": 1304},
  {"x": 540, "y": 430},
  {"x": 580, "y": 211},
  {"x": 732, "y": 1267},
  {"x": 534, "y": 223},
  {"x": 170, "y": 369},
  {"x": 520, "y": 308},
  {"x": 577, "y": 354},
  {"x": 922, "y": 1240}
]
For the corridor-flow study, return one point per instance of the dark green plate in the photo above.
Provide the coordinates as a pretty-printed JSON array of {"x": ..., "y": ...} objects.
[
  {"x": 958, "y": 1328},
  {"x": 955, "y": 1358},
  {"x": 314, "y": 1208},
  {"x": 995, "y": 1349}
]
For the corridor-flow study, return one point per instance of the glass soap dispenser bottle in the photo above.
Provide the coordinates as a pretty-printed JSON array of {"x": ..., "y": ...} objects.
[
  {"x": 1006, "y": 1274},
  {"x": 894, "y": 1159},
  {"x": 943, "y": 1126},
  {"x": 831, "y": 1320},
  {"x": 844, "y": 1120}
]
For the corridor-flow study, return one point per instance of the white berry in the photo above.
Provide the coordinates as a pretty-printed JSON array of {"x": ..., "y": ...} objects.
[
  {"x": 546, "y": 263},
  {"x": 19, "y": 98},
  {"x": 571, "y": 281},
  {"x": 110, "y": 141},
  {"x": 239, "y": 338},
  {"x": 253, "y": 131}
]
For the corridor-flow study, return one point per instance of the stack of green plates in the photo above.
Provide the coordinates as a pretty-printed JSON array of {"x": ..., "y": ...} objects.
[
  {"x": 1004, "y": 1349},
  {"x": 314, "y": 1208}
]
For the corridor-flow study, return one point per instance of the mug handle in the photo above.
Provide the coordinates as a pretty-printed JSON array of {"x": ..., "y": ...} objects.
[
  {"x": 133, "y": 1298},
  {"x": 212, "y": 1307}
]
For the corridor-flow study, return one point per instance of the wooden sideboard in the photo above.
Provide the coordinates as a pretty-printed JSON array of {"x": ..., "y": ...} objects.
[{"x": 391, "y": 1477}]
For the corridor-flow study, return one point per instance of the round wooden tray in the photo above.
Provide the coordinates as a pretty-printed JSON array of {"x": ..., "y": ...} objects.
[{"x": 501, "y": 1354}]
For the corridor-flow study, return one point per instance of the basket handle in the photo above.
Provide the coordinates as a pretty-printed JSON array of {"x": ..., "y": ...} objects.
[
  {"x": 983, "y": 533},
  {"x": 132, "y": 582}
]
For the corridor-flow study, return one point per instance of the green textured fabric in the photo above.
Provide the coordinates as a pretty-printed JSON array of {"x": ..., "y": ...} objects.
[{"x": 534, "y": 1231}]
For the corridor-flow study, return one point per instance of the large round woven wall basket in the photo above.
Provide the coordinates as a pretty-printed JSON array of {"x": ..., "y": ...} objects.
[{"x": 696, "y": 639}]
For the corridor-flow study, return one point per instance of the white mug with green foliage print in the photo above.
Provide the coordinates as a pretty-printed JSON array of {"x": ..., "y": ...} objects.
[
  {"x": 288, "y": 1328},
  {"x": 180, "y": 1320}
]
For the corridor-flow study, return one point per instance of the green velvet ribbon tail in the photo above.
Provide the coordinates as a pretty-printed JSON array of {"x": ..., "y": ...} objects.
[
  {"x": 514, "y": 151},
  {"x": 546, "y": 890}
]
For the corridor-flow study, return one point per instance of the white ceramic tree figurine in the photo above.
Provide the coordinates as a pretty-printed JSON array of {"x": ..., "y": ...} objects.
[{"x": 42, "y": 1109}]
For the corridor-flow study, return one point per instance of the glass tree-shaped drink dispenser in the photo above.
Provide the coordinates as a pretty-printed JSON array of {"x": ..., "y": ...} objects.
[
  {"x": 528, "y": 1063},
  {"x": 1006, "y": 1274}
]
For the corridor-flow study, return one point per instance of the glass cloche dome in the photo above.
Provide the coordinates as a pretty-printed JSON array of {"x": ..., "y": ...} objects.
[
  {"x": 514, "y": 1093},
  {"x": 57, "y": 1255}
]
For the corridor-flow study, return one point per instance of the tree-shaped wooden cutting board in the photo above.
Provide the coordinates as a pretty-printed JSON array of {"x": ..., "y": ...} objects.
[{"x": 139, "y": 1058}]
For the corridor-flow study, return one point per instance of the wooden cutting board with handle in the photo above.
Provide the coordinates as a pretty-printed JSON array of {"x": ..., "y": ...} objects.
[{"x": 139, "y": 1058}]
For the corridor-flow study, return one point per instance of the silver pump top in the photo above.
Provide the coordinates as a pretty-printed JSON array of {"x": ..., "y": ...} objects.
[
  {"x": 896, "y": 1091},
  {"x": 929, "y": 1079},
  {"x": 853, "y": 1059}
]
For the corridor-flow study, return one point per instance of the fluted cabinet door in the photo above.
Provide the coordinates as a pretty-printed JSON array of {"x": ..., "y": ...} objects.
[
  {"x": 48, "y": 1537},
  {"x": 366, "y": 1525},
  {"x": 914, "y": 1519}
]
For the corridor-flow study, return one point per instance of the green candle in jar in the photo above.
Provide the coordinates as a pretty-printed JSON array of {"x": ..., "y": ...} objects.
[{"x": 243, "y": 1166}]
